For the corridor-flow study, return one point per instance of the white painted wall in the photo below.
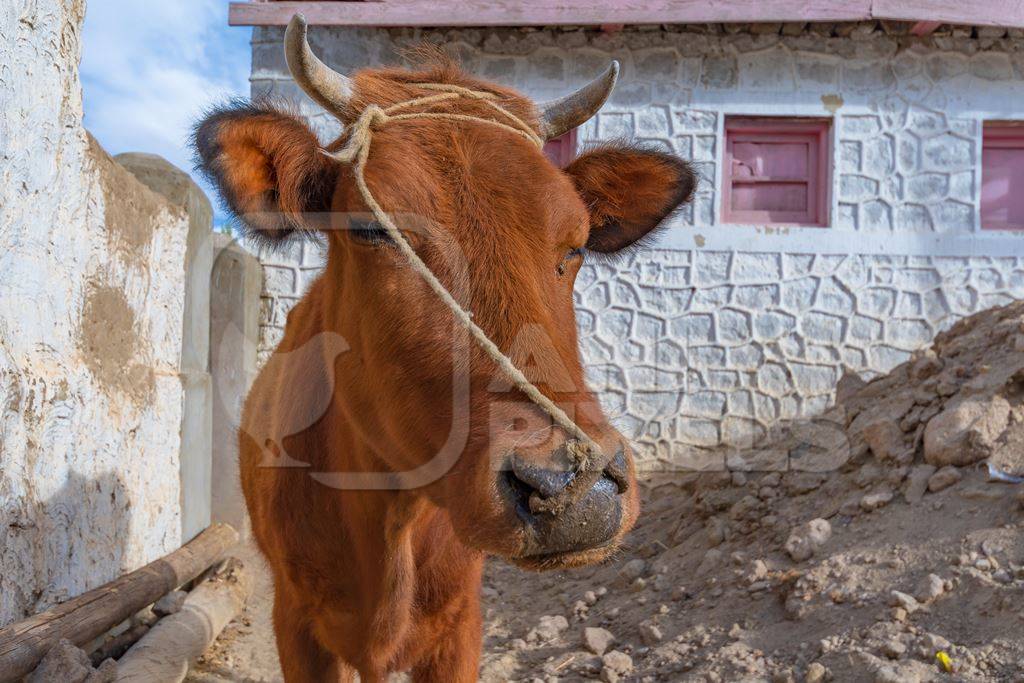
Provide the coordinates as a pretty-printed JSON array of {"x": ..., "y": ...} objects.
[
  {"x": 721, "y": 331},
  {"x": 91, "y": 301}
]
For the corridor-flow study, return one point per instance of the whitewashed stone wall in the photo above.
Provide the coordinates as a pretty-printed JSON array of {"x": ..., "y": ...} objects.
[
  {"x": 91, "y": 299},
  {"x": 721, "y": 331}
]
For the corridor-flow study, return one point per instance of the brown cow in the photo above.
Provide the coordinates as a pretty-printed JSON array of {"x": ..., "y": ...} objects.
[{"x": 417, "y": 457}]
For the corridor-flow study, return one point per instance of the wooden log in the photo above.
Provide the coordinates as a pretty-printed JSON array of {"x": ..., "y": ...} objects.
[
  {"x": 115, "y": 647},
  {"x": 90, "y": 615},
  {"x": 163, "y": 655}
]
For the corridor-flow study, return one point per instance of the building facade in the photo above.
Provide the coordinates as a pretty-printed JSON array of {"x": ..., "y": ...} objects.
[{"x": 857, "y": 195}]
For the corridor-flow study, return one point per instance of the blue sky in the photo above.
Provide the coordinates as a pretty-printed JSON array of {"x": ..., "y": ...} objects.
[{"x": 149, "y": 69}]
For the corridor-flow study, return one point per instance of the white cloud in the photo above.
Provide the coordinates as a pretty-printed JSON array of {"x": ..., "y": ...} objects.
[{"x": 149, "y": 69}]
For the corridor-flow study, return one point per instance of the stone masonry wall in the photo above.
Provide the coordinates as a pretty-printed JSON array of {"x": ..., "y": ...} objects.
[{"x": 720, "y": 331}]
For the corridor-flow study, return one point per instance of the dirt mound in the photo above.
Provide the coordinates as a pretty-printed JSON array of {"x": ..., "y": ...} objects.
[
  {"x": 958, "y": 403},
  {"x": 854, "y": 547},
  {"x": 857, "y": 546}
]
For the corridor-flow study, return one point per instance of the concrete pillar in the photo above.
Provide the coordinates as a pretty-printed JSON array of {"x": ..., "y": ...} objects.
[
  {"x": 196, "y": 426},
  {"x": 236, "y": 282}
]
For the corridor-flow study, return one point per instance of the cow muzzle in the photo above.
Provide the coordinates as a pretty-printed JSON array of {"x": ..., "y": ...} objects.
[{"x": 565, "y": 509}]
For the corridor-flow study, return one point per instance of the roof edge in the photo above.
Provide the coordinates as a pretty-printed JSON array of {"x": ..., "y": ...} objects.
[{"x": 478, "y": 13}]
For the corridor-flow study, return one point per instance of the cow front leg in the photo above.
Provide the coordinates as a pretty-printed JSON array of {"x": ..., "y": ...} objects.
[
  {"x": 457, "y": 655},
  {"x": 303, "y": 658}
]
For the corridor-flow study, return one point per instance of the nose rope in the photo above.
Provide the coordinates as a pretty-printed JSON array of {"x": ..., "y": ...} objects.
[{"x": 357, "y": 150}]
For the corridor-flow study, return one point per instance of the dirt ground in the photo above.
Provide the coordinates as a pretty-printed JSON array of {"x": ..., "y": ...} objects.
[
  {"x": 871, "y": 544},
  {"x": 743, "y": 610}
]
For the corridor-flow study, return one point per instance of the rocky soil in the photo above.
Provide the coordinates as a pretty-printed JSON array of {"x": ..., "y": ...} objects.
[{"x": 870, "y": 544}]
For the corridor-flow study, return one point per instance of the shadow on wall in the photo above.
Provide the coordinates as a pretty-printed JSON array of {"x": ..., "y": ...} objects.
[{"x": 56, "y": 549}]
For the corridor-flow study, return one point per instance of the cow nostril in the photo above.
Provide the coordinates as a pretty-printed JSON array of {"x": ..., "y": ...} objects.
[
  {"x": 520, "y": 494},
  {"x": 617, "y": 471},
  {"x": 544, "y": 482}
]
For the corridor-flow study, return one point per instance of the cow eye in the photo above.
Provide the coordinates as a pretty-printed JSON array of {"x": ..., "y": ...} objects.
[
  {"x": 368, "y": 231},
  {"x": 571, "y": 255}
]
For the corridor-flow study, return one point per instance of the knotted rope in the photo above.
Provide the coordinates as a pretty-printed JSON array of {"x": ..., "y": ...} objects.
[{"x": 357, "y": 150}]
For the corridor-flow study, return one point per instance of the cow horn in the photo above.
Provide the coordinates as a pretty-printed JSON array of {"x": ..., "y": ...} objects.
[
  {"x": 562, "y": 115},
  {"x": 328, "y": 88}
]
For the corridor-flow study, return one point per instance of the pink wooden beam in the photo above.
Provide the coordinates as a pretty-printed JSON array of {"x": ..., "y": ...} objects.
[
  {"x": 544, "y": 12},
  {"x": 923, "y": 28},
  {"x": 1008, "y": 13}
]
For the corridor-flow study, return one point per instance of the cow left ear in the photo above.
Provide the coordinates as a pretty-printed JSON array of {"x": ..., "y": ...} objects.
[
  {"x": 629, "y": 192},
  {"x": 267, "y": 165}
]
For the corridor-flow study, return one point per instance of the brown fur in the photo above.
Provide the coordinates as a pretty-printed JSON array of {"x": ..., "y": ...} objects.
[{"x": 388, "y": 580}]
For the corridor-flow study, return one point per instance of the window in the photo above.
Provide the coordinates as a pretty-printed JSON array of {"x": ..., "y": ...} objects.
[
  {"x": 561, "y": 150},
  {"x": 1002, "y": 177},
  {"x": 776, "y": 171}
]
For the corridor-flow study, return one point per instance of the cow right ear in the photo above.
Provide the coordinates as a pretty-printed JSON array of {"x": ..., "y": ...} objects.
[{"x": 268, "y": 167}]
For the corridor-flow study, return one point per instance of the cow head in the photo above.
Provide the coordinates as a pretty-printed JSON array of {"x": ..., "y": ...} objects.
[{"x": 507, "y": 232}]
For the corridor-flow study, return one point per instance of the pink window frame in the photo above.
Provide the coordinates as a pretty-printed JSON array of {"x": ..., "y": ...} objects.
[
  {"x": 819, "y": 171},
  {"x": 566, "y": 149},
  {"x": 999, "y": 135}
]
